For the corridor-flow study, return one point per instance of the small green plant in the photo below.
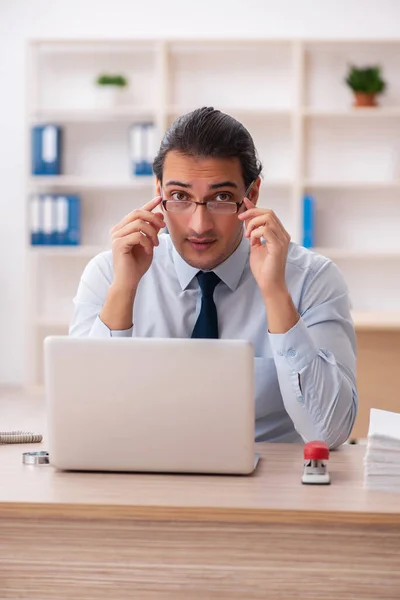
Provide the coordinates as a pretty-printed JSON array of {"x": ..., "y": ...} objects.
[
  {"x": 117, "y": 80},
  {"x": 367, "y": 80}
]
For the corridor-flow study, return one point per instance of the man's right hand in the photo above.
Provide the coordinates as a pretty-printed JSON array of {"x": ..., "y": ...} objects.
[{"x": 133, "y": 241}]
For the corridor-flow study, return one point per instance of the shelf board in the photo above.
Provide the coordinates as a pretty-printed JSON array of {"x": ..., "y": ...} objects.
[
  {"x": 94, "y": 115},
  {"x": 351, "y": 185},
  {"x": 350, "y": 254},
  {"x": 72, "y": 181},
  {"x": 356, "y": 113},
  {"x": 376, "y": 321},
  {"x": 67, "y": 251},
  {"x": 238, "y": 112}
]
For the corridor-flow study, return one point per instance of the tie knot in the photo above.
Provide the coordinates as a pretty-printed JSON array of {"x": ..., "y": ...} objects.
[{"x": 208, "y": 282}]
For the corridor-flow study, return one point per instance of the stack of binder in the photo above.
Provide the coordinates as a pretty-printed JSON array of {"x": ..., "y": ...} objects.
[{"x": 55, "y": 220}]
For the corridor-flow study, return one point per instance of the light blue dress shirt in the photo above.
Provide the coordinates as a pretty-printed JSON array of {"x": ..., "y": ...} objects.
[{"x": 305, "y": 379}]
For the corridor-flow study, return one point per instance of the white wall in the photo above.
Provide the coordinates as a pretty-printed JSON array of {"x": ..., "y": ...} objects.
[{"x": 24, "y": 19}]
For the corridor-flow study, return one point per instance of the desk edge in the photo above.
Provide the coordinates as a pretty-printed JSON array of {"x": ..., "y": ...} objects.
[{"x": 193, "y": 514}]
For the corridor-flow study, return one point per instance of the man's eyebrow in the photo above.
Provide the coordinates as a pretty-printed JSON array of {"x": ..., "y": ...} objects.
[
  {"x": 179, "y": 183},
  {"x": 216, "y": 186}
]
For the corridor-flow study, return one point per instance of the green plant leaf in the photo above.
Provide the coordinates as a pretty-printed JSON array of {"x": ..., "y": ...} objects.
[
  {"x": 367, "y": 80},
  {"x": 107, "y": 79}
]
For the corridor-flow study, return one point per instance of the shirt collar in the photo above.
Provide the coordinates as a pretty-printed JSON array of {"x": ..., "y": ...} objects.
[{"x": 230, "y": 271}]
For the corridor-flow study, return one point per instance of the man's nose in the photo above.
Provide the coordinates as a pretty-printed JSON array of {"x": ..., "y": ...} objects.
[{"x": 201, "y": 220}]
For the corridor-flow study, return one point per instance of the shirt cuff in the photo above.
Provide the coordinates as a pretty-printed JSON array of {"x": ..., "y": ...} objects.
[
  {"x": 99, "y": 329},
  {"x": 295, "y": 348}
]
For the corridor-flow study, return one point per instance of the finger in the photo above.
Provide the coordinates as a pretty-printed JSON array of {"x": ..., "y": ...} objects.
[
  {"x": 255, "y": 222},
  {"x": 130, "y": 216},
  {"x": 139, "y": 226},
  {"x": 152, "y": 204},
  {"x": 243, "y": 216},
  {"x": 248, "y": 203},
  {"x": 279, "y": 223},
  {"x": 128, "y": 242},
  {"x": 254, "y": 213},
  {"x": 156, "y": 218},
  {"x": 265, "y": 220},
  {"x": 265, "y": 232}
]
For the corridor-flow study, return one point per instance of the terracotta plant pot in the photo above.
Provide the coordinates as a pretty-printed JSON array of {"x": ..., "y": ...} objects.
[{"x": 362, "y": 100}]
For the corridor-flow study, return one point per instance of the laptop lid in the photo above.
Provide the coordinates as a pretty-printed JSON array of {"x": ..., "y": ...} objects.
[{"x": 146, "y": 404}]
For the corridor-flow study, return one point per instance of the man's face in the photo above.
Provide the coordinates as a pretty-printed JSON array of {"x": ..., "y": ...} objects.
[{"x": 204, "y": 239}]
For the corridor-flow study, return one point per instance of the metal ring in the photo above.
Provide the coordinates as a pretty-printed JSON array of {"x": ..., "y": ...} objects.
[{"x": 35, "y": 458}]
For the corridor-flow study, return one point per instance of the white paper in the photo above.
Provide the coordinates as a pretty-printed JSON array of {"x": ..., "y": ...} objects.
[{"x": 384, "y": 424}]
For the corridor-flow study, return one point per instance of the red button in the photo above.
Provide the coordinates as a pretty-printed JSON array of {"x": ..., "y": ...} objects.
[{"x": 316, "y": 451}]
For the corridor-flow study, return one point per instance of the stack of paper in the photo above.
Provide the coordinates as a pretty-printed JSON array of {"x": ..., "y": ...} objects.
[{"x": 382, "y": 458}]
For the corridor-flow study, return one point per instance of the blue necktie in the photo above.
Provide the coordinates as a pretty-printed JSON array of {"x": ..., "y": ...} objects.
[{"x": 207, "y": 322}]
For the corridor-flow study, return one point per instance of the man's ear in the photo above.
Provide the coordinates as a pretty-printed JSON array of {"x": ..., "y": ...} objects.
[
  {"x": 158, "y": 187},
  {"x": 255, "y": 191}
]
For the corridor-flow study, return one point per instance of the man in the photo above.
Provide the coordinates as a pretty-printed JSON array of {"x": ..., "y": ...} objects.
[{"x": 228, "y": 269}]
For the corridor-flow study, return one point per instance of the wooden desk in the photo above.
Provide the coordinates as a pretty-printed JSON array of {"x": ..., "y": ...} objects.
[
  {"x": 122, "y": 536},
  {"x": 377, "y": 365}
]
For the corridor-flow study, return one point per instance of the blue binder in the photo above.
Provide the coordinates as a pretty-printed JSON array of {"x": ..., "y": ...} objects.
[
  {"x": 137, "y": 144},
  {"x": 48, "y": 219},
  {"x": 46, "y": 150},
  {"x": 36, "y": 220},
  {"x": 68, "y": 220},
  {"x": 74, "y": 221},
  {"x": 150, "y": 151},
  {"x": 308, "y": 222},
  {"x": 142, "y": 143}
]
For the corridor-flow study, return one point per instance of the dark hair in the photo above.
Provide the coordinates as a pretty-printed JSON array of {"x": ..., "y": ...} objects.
[{"x": 207, "y": 132}]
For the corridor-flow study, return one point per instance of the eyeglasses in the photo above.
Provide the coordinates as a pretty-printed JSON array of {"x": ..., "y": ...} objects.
[{"x": 188, "y": 207}]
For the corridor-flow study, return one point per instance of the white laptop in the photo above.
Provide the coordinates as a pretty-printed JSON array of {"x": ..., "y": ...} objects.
[{"x": 150, "y": 405}]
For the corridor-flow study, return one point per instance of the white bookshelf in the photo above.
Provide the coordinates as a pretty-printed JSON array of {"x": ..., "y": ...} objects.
[
  {"x": 345, "y": 113},
  {"x": 81, "y": 251},
  {"x": 289, "y": 94},
  {"x": 95, "y": 115},
  {"x": 377, "y": 186},
  {"x": 62, "y": 182}
]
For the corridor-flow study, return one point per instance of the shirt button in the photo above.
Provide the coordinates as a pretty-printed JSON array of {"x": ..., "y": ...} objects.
[{"x": 291, "y": 352}]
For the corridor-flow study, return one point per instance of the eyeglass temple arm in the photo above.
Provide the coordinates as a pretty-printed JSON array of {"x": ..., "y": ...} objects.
[{"x": 248, "y": 189}]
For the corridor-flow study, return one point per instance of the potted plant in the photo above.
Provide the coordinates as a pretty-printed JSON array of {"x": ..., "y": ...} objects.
[
  {"x": 110, "y": 89},
  {"x": 366, "y": 84}
]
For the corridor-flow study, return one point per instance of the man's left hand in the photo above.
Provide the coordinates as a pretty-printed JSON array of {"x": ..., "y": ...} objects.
[{"x": 268, "y": 259}]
